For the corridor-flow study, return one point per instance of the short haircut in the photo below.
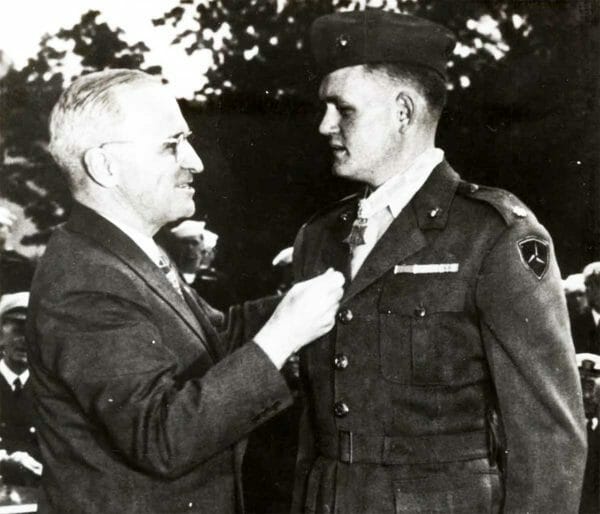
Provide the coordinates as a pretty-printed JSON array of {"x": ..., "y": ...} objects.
[
  {"x": 80, "y": 112},
  {"x": 428, "y": 82}
]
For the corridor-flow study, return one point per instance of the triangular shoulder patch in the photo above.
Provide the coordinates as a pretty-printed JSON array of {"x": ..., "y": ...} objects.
[{"x": 534, "y": 254}]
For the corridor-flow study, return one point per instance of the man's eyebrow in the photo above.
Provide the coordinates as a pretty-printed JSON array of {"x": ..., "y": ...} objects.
[{"x": 334, "y": 99}]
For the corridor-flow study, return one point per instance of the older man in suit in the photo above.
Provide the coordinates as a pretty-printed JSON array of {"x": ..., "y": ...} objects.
[
  {"x": 449, "y": 383},
  {"x": 142, "y": 389}
]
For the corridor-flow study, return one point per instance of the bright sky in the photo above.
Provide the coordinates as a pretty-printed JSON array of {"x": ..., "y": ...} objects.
[{"x": 23, "y": 22}]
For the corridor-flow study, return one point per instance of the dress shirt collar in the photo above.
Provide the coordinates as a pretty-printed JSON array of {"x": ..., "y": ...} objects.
[
  {"x": 397, "y": 191},
  {"x": 146, "y": 243},
  {"x": 189, "y": 278},
  {"x": 596, "y": 316},
  {"x": 10, "y": 376}
]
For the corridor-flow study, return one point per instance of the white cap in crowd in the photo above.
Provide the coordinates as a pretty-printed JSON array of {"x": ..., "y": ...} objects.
[
  {"x": 14, "y": 303},
  {"x": 284, "y": 257},
  {"x": 574, "y": 283},
  {"x": 192, "y": 228},
  {"x": 6, "y": 217}
]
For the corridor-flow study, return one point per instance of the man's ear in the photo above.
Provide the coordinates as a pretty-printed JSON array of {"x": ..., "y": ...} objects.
[
  {"x": 100, "y": 167},
  {"x": 405, "y": 111}
]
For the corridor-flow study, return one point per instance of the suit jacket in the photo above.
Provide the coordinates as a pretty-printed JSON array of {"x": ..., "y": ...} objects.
[
  {"x": 448, "y": 388},
  {"x": 141, "y": 399}
]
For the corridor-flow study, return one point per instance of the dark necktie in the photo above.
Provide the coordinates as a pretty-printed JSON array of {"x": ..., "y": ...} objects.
[
  {"x": 170, "y": 272},
  {"x": 17, "y": 385}
]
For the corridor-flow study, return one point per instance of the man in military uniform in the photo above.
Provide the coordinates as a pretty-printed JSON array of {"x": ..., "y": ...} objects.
[
  {"x": 19, "y": 451},
  {"x": 449, "y": 382}
]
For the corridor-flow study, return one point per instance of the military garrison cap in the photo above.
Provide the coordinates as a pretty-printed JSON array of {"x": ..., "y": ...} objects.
[{"x": 373, "y": 37}]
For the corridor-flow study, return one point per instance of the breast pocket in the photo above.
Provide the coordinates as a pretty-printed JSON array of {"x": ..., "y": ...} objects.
[{"x": 424, "y": 330}]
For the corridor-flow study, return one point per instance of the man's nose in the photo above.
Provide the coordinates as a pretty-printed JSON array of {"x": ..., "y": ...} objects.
[
  {"x": 190, "y": 160},
  {"x": 329, "y": 123}
]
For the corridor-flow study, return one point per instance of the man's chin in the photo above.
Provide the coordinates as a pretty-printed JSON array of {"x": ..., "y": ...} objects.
[{"x": 188, "y": 208}]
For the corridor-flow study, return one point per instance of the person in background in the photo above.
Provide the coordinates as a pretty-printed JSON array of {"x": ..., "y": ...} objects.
[
  {"x": 16, "y": 270},
  {"x": 574, "y": 288},
  {"x": 585, "y": 329},
  {"x": 20, "y": 460},
  {"x": 193, "y": 248},
  {"x": 449, "y": 383},
  {"x": 585, "y": 322}
]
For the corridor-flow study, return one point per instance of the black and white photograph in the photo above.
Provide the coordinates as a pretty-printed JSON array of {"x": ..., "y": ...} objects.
[{"x": 300, "y": 257}]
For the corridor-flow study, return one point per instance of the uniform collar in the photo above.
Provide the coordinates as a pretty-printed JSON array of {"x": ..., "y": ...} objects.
[
  {"x": 397, "y": 191},
  {"x": 596, "y": 316},
  {"x": 10, "y": 376},
  {"x": 432, "y": 202}
]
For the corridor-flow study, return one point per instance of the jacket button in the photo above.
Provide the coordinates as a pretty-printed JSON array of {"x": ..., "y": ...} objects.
[
  {"x": 434, "y": 213},
  {"x": 340, "y": 409},
  {"x": 420, "y": 311},
  {"x": 345, "y": 216},
  {"x": 340, "y": 361},
  {"x": 345, "y": 316}
]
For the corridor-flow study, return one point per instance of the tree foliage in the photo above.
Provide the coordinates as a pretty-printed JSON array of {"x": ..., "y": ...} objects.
[{"x": 260, "y": 47}]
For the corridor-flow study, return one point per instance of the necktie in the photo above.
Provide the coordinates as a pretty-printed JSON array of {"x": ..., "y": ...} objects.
[
  {"x": 171, "y": 273},
  {"x": 17, "y": 385}
]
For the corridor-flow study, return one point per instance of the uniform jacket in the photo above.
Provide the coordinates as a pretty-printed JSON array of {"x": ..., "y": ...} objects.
[
  {"x": 449, "y": 388},
  {"x": 18, "y": 421},
  {"x": 141, "y": 400}
]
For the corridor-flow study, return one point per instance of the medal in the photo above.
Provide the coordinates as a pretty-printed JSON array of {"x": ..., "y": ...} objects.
[{"x": 357, "y": 234}]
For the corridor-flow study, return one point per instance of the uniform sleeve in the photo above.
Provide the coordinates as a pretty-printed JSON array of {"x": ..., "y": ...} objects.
[
  {"x": 306, "y": 438},
  {"x": 526, "y": 334},
  {"x": 110, "y": 355}
]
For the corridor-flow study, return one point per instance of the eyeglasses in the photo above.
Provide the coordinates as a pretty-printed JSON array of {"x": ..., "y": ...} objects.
[{"x": 174, "y": 143}]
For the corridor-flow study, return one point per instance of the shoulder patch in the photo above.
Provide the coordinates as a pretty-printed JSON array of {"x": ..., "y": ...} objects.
[
  {"x": 534, "y": 253},
  {"x": 510, "y": 208}
]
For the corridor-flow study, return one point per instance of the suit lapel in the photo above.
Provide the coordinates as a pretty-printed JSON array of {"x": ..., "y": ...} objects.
[
  {"x": 407, "y": 233},
  {"x": 90, "y": 224},
  {"x": 212, "y": 338}
]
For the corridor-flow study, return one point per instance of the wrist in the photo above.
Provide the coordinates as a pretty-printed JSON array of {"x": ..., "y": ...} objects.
[{"x": 274, "y": 347}]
